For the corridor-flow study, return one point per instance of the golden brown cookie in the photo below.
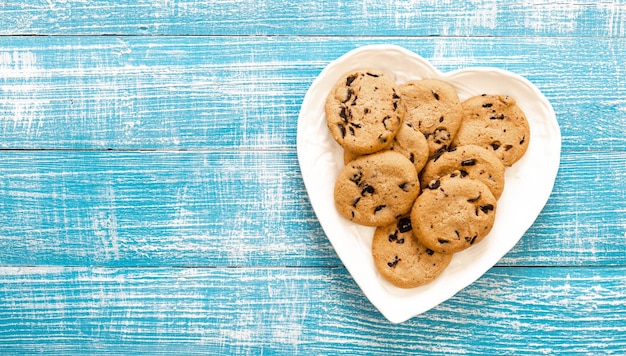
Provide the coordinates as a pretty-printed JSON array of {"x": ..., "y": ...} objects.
[
  {"x": 402, "y": 259},
  {"x": 376, "y": 189},
  {"x": 497, "y": 123},
  {"x": 453, "y": 213},
  {"x": 434, "y": 108},
  {"x": 364, "y": 111},
  {"x": 474, "y": 161}
]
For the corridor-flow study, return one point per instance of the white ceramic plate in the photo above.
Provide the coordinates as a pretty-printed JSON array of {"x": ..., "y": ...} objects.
[{"x": 528, "y": 183}]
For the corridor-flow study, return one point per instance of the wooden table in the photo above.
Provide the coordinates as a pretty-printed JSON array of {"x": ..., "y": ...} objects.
[{"x": 152, "y": 201}]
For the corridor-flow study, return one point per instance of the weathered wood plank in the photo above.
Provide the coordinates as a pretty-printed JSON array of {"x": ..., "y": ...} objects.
[
  {"x": 224, "y": 311},
  {"x": 245, "y": 92},
  {"x": 232, "y": 208},
  {"x": 250, "y": 17}
]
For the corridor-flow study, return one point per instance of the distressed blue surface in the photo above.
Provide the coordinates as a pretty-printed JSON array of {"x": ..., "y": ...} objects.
[{"x": 151, "y": 200}]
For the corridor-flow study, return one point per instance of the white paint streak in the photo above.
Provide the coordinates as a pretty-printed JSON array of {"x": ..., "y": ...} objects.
[
  {"x": 560, "y": 17},
  {"x": 104, "y": 226},
  {"x": 20, "y": 102}
]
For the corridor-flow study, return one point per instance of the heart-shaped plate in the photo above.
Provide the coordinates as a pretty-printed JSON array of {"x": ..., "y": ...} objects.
[{"x": 528, "y": 183}]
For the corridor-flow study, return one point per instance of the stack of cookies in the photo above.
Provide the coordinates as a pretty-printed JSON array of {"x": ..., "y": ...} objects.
[{"x": 421, "y": 166}]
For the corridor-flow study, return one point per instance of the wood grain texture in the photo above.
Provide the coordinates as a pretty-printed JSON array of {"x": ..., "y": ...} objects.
[
  {"x": 230, "y": 208},
  {"x": 303, "y": 311},
  {"x": 250, "y": 17},
  {"x": 151, "y": 201},
  {"x": 245, "y": 92}
]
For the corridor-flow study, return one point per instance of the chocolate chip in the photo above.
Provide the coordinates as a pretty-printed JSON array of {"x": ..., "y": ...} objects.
[
  {"x": 495, "y": 145},
  {"x": 522, "y": 140},
  {"x": 350, "y": 79},
  {"x": 356, "y": 178},
  {"x": 395, "y": 96},
  {"x": 441, "y": 119},
  {"x": 348, "y": 95},
  {"x": 367, "y": 190},
  {"x": 372, "y": 75},
  {"x": 344, "y": 113},
  {"x": 439, "y": 152},
  {"x": 475, "y": 199},
  {"x": 356, "y": 201},
  {"x": 366, "y": 111},
  {"x": 473, "y": 239},
  {"x": 404, "y": 186},
  {"x": 468, "y": 162},
  {"x": 351, "y": 129},
  {"x": 501, "y": 117},
  {"x": 486, "y": 208},
  {"x": 434, "y": 184},
  {"x": 387, "y": 118},
  {"x": 443, "y": 241},
  {"x": 463, "y": 173},
  {"x": 393, "y": 263},
  {"x": 508, "y": 147},
  {"x": 430, "y": 252},
  {"x": 379, "y": 208},
  {"x": 442, "y": 134},
  {"x": 393, "y": 237},
  {"x": 342, "y": 129},
  {"x": 412, "y": 158},
  {"x": 355, "y": 125},
  {"x": 487, "y": 105},
  {"x": 435, "y": 95},
  {"x": 354, "y": 100},
  {"x": 404, "y": 225}
]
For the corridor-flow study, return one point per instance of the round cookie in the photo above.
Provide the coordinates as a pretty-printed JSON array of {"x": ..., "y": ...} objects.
[
  {"x": 497, "y": 123},
  {"x": 434, "y": 108},
  {"x": 453, "y": 213},
  {"x": 474, "y": 161},
  {"x": 402, "y": 260},
  {"x": 409, "y": 142},
  {"x": 376, "y": 189},
  {"x": 364, "y": 111}
]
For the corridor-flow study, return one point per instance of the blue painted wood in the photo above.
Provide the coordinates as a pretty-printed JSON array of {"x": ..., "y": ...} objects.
[
  {"x": 209, "y": 92},
  {"x": 152, "y": 204},
  {"x": 226, "y": 311},
  {"x": 334, "y": 18}
]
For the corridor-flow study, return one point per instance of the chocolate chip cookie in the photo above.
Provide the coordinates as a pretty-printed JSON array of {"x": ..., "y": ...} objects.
[
  {"x": 497, "y": 123},
  {"x": 434, "y": 108},
  {"x": 376, "y": 189},
  {"x": 453, "y": 213},
  {"x": 402, "y": 259},
  {"x": 364, "y": 111}
]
